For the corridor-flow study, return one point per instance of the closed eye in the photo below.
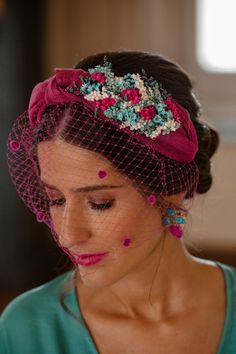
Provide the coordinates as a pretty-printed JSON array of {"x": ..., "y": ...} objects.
[
  {"x": 95, "y": 206},
  {"x": 102, "y": 206}
]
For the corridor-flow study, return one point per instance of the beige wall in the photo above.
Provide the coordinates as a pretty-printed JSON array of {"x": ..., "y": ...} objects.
[
  {"x": 212, "y": 220},
  {"x": 76, "y": 28}
]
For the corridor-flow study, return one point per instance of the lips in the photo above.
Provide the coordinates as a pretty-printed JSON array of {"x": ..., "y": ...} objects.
[{"x": 89, "y": 259}]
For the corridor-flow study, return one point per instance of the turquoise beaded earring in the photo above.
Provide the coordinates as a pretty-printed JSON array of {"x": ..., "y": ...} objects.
[{"x": 175, "y": 220}]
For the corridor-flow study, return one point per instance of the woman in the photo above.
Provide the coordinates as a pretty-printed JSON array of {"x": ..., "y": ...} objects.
[{"x": 108, "y": 155}]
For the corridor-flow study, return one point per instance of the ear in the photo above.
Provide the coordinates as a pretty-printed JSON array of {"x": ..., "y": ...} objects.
[{"x": 176, "y": 199}]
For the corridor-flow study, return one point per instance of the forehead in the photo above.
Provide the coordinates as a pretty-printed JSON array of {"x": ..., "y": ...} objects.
[{"x": 58, "y": 159}]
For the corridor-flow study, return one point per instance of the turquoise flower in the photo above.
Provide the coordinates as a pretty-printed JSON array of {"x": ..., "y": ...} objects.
[
  {"x": 89, "y": 85},
  {"x": 160, "y": 107},
  {"x": 159, "y": 120},
  {"x": 129, "y": 115},
  {"x": 128, "y": 81},
  {"x": 120, "y": 116}
]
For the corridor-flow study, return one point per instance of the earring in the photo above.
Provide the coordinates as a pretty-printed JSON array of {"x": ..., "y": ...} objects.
[{"x": 175, "y": 220}]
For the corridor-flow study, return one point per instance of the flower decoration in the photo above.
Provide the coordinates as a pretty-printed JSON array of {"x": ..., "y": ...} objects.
[
  {"x": 148, "y": 113},
  {"x": 14, "y": 145},
  {"x": 40, "y": 216},
  {"x": 127, "y": 242},
  {"x": 152, "y": 199},
  {"x": 99, "y": 77},
  {"x": 131, "y": 94},
  {"x": 136, "y": 101},
  {"x": 102, "y": 174}
]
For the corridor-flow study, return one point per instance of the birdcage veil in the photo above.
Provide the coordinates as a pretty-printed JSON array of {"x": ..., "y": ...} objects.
[{"x": 141, "y": 132}]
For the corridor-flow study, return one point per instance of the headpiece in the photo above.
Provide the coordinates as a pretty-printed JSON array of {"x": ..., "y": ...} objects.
[
  {"x": 135, "y": 103},
  {"x": 130, "y": 120}
]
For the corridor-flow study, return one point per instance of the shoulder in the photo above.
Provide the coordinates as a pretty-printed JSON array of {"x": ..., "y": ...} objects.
[
  {"x": 229, "y": 273},
  {"x": 37, "y": 319},
  {"x": 213, "y": 266},
  {"x": 228, "y": 269},
  {"x": 36, "y": 301}
]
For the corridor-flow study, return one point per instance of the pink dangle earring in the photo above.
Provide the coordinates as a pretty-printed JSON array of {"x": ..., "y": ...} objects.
[{"x": 175, "y": 220}]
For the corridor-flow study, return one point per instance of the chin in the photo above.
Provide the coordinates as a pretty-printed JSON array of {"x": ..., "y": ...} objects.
[{"x": 98, "y": 277}]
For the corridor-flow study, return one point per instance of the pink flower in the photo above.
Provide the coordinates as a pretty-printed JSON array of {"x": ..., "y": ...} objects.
[
  {"x": 40, "y": 216},
  {"x": 14, "y": 145},
  {"x": 170, "y": 103},
  {"x": 102, "y": 174},
  {"x": 99, "y": 77},
  {"x": 152, "y": 199},
  {"x": 132, "y": 93},
  {"x": 148, "y": 113},
  {"x": 127, "y": 242},
  {"x": 105, "y": 103}
]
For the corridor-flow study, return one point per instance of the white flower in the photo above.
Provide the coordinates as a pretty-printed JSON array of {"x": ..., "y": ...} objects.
[
  {"x": 124, "y": 125},
  {"x": 95, "y": 96}
]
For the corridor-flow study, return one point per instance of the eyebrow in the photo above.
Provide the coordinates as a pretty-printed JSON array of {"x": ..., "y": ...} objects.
[{"x": 96, "y": 187}]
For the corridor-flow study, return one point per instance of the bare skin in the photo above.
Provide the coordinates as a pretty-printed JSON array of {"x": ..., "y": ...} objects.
[
  {"x": 153, "y": 297},
  {"x": 189, "y": 320}
]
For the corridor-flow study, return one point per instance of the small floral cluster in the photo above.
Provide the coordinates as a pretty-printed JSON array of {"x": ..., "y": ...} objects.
[{"x": 136, "y": 101}]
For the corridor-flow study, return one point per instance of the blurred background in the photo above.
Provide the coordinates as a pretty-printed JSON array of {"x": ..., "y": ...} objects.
[{"x": 36, "y": 36}]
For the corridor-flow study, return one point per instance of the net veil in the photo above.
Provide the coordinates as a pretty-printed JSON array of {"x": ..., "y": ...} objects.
[
  {"x": 150, "y": 172},
  {"x": 72, "y": 147}
]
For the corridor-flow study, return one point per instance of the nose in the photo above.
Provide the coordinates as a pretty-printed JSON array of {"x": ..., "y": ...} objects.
[{"x": 74, "y": 226}]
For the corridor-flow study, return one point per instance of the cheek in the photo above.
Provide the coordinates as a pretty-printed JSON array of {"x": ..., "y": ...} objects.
[
  {"x": 119, "y": 230},
  {"x": 56, "y": 218},
  {"x": 134, "y": 231}
]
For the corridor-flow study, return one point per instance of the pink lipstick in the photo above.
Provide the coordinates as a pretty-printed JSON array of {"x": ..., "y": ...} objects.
[{"x": 89, "y": 259}]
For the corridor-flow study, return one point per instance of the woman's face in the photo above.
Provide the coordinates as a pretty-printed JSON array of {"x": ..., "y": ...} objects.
[{"x": 98, "y": 219}]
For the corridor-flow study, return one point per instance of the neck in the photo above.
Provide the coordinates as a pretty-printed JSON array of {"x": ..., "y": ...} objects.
[{"x": 162, "y": 286}]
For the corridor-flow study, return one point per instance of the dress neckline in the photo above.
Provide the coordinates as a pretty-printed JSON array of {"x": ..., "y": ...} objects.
[
  {"x": 73, "y": 301},
  {"x": 228, "y": 313}
]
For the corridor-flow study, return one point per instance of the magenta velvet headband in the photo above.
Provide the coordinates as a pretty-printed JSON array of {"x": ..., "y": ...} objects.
[{"x": 135, "y": 103}]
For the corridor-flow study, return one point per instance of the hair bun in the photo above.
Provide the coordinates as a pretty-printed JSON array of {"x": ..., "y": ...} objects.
[{"x": 208, "y": 140}]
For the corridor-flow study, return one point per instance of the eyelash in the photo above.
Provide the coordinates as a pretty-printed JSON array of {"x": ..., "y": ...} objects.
[{"x": 99, "y": 207}]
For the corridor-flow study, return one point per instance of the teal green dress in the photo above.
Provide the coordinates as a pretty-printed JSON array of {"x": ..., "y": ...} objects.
[{"x": 36, "y": 323}]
